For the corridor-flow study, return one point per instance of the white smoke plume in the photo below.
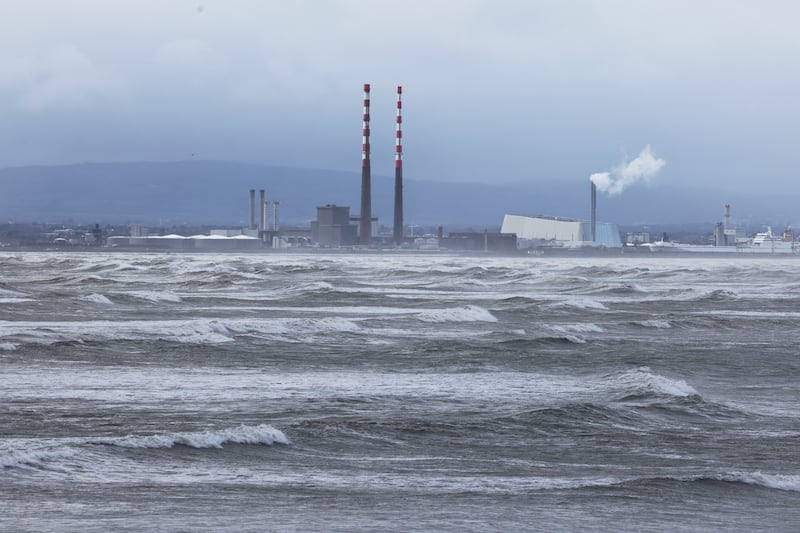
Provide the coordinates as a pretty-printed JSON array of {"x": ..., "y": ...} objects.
[{"x": 644, "y": 167}]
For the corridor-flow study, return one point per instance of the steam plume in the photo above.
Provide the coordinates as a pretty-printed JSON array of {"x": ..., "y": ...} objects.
[{"x": 644, "y": 167}]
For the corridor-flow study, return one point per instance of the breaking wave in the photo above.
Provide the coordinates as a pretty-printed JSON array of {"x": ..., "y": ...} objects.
[
  {"x": 468, "y": 313},
  {"x": 261, "y": 434},
  {"x": 581, "y": 303},
  {"x": 577, "y": 328},
  {"x": 97, "y": 299},
  {"x": 784, "y": 482},
  {"x": 643, "y": 382},
  {"x": 42, "y": 458},
  {"x": 658, "y": 324},
  {"x": 788, "y": 482},
  {"x": 14, "y": 300},
  {"x": 718, "y": 295}
]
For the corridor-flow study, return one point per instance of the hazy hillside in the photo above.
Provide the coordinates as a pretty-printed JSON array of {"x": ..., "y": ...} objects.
[{"x": 215, "y": 192}]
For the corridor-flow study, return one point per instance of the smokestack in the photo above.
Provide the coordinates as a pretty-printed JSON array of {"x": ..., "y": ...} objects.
[
  {"x": 365, "y": 224},
  {"x": 727, "y": 216},
  {"x": 398, "y": 172},
  {"x": 252, "y": 209},
  {"x": 266, "y": 215},
  {"x": 261, "y": 218},
  {"x": 275, "y": 226},
  {"x": 593, "y": 219}
]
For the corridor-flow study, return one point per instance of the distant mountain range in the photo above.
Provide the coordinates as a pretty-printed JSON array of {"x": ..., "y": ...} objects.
[{"x": 216, "y": 193}]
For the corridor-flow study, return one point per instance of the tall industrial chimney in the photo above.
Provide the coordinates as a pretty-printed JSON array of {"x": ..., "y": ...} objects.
[
  {"x": 398, "y": 172},
  {"x": 593, "y": 219},
  {"x": 261, "y": 218},
  {"x": 727, "y": 217},
  {"x": 252, "y": 209},
  {"x": 275, "y": 227},
  {"x": 365, "y": 223},
  {"x": 266, "y": 215}
]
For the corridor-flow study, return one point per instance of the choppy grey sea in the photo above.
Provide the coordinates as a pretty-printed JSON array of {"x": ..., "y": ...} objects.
[{"x": 398, "y": 392}]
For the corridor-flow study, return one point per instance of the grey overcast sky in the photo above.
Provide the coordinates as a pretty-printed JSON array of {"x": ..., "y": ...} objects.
[{"x": 494, "y": 90}]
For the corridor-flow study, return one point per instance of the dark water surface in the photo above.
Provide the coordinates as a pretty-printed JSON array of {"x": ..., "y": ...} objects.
[{"x": 398, "y": 392}]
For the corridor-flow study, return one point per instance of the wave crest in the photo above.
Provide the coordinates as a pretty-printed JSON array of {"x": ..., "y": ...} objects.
[
  {"x": 658, "y": 324},
  {"x": 97, "y": 299},
  {"x": 468, "y": 313},
  {"x": 261, "y": 434},
  {"x": 643, "y": 382},
  {"x": 788, "y": 482},
  {"x": 41, "y": 458}
]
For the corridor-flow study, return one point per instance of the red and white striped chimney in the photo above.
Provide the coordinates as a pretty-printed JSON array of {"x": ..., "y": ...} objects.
[
  {"x": 365, "y": 223},
  {"x": 398, "y": 171}
]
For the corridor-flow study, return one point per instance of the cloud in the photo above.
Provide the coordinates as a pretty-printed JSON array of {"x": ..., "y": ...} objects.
[
  {"x": 63, "y": 77},
  {"x": 189, "y": 55}
]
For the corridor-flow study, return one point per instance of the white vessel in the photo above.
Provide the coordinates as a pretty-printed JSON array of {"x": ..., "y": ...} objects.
[
  {"x": 767, "y": 243},
  {"x": 763, "y": 243}
]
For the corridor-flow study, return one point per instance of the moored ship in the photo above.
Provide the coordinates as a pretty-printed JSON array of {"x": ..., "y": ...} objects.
[{"x": 762, "y": 243}]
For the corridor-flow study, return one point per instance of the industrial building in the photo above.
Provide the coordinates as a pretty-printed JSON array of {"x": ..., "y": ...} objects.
[
  {"x": 727, "y": 235},
  {"x": 566, "y": 233},
  {"x": 192, "y": 243},
  {"x": 257, "y": 236},
  {"x": 335, "y": 227},
  {"x": 332, "y": 228},
  {"x": 503, "y": 242},
  {"x": 557, "y": 232}
]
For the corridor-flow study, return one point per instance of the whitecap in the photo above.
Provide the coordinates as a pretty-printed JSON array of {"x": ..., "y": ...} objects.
[
  {"x": 97, "y": 298},
  {"x": 34, "y": 458},
  {"x": 643, "y": 381},
  {"x": 658, "y": 324},
  {"x": 577, "y": 328},
  {"x": 182, "y": 331},
  {"x": 468, "y": 313},
  {"x": 581, "y": 303},
  {"x": 8, "y": 346},
  {"x": 261, "y": 434},
  {"x": 788, "y": 482}
]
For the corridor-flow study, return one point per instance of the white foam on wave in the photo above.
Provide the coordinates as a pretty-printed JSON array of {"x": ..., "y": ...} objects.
[
  {"x": 303, "y": 288},
  {"x": 8, "y": 346},
  {"x": 581, "y": 303},
  {"x": 752, "y": 314},
  {"x": 97, "y": 299},
  {"x": 36, "y": 458},
  {"x": 643, "y": 381},
  {"x": 261, "y": 434},
  {"x": 658, "y": 324},
  {"x": 787, "y": 482},
  {"x": 468, "y": 313},
  {"x": 156, "y": 296},
  {"x": 197, "y": 331},
  {"x": 202, "y": 331},
  {"x": 15, "y": 300},
  {"x": 577, "y": 328},
  {"x": 296, "y": 327},
  {"x": 9, "y": 292},
  {"x": 316, "y": 286}
]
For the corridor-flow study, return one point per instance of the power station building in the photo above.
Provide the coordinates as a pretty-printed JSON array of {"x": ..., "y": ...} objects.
[
  {"x": 332, "y": 226},
  {"x": 558, "y": 232},
  {"x": 335, "y": 226}
]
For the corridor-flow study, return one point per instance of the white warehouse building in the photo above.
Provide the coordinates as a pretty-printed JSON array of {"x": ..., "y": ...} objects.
[{"x": 540, "y": 231}]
